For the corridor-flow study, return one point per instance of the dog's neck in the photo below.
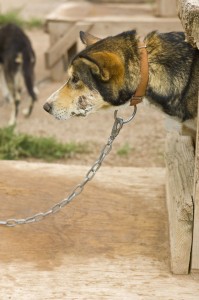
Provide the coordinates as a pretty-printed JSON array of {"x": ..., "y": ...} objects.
[{"x": 144, "y": 74}]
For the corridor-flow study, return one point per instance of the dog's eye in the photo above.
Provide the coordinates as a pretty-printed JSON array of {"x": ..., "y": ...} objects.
[{"x": 74, "y": 79}]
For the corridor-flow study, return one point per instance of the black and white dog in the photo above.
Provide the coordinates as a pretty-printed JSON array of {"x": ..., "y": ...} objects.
[{"x": 17, "y": 61}]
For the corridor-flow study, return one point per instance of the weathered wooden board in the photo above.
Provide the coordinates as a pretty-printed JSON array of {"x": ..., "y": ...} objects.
[
  {"x": 59, "y": 48},
  {"x": 188, "y": 11},
  {"x": 63, "y": 36},
  {"x": 179, "y": 154},
  {"x": 109, "y": 243},
  {"x": 64, "y": 43},
  {"x": 195, "y": 249}
]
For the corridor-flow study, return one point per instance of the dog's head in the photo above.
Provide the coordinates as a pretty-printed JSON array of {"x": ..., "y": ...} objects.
[{"x": 98, "y": 77}]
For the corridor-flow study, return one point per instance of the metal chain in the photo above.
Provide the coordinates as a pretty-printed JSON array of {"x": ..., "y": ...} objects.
[{"x": 117, "y": 126}]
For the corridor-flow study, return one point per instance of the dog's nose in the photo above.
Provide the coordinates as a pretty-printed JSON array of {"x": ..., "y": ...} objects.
[{"x": 47, "y": 106}]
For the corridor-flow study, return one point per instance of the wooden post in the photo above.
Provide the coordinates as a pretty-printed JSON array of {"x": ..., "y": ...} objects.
[
  {"x": 189, "y": 14},
  {"x": 188, "y": 11},
  {"x": 195, "y": 251},
  {"x": 56, "y": 30},
  {"x": 63, "y": 45},
  {"x": 179, "y": 157}
]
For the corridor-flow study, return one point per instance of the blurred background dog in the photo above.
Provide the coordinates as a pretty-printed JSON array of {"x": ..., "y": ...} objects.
[{"x": 17, "y": 61}]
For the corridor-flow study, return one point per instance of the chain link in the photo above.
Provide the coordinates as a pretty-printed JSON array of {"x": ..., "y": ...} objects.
[{"x": 117, "y": 126}]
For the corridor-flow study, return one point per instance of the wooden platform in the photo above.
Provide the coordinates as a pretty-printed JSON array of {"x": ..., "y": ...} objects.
[{"x": 109, "y": 243}]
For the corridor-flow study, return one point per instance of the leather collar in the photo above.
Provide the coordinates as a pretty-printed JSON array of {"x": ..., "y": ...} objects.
[{"x": 144, "y": 71}]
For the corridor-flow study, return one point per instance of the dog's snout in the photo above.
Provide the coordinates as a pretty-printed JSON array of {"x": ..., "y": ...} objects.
[{"x": 47, "y": 106}]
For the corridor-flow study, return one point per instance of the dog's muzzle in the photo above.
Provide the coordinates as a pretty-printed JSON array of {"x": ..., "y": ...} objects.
[{"x": 47, "y": 107}]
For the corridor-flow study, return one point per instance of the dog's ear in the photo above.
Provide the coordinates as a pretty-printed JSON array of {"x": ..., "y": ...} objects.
[
  {"x": 107, "y": 65},
  {"x": 101, "y": 73},
  {"x": 87, "y": 38}
]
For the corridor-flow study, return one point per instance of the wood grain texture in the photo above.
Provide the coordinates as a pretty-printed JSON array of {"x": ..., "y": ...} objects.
[
  {"x": 109, "y": 243},
  {"x": 195, "y": 249},
  {"x": 188, "y": 11},
  {"x": 179, "y": 156}
]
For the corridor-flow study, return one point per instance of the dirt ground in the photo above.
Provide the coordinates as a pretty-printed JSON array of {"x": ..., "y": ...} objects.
[{"x": 143, "y": 138}]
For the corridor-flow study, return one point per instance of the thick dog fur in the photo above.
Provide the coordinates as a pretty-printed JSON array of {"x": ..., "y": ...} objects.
[
  {"x": 17, "y": 60},
  {"x": 107, "y": 74}
]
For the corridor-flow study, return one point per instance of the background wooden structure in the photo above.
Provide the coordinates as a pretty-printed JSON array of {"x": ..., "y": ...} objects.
[{"x": 64, "y": 24}]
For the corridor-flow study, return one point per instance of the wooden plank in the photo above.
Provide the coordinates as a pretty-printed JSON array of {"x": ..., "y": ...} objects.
[
  {"x": 109, "y": 243},
  {"x": 166, "y": 8},
  {"x": 56, "y": 30},
  {"x": 179, "y": 156},
  {"x": 58, "y": 54},
  {"x": 76, "y": 12},
  {"x": 56, "y": 51},
  {"x": 195, "y": 249}
]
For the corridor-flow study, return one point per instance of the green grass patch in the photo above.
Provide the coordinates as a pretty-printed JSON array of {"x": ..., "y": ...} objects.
[
  {"x": 34, "y": 23},
  {"x": 13, "y": 16},
  {"x": 22, "y": 146},
  {"x": 124, "y": 150}
]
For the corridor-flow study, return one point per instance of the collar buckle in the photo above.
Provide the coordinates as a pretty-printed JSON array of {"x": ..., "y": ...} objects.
[{"x": 136, "y": 100}]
